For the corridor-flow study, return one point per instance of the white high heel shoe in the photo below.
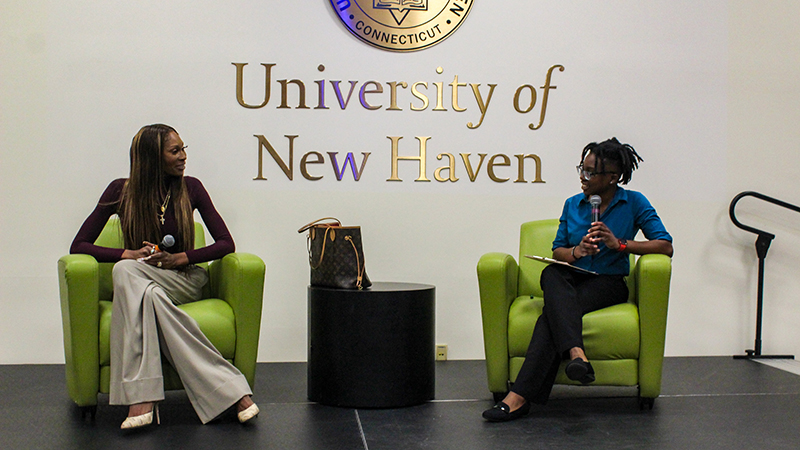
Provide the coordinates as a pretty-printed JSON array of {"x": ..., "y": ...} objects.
[
  {"x": 248, "y": 413},
  {"x": 142, "y": 420}
]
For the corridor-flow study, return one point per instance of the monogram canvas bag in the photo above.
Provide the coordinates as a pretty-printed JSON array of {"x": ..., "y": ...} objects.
[{"x": 335, "y": 255}]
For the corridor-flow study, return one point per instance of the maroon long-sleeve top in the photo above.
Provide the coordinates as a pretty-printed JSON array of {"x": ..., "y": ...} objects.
[{"x": 199, "y": 199}]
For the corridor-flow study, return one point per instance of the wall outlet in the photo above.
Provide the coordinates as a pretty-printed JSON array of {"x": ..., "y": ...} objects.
[{"x": 441, "y": 352}]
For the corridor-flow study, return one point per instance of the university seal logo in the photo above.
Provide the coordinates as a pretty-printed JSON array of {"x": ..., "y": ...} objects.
[{"x": 402, "y": 25}]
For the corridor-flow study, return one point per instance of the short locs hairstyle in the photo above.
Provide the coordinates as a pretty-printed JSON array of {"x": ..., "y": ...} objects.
[{"x": 614, "y": 152}]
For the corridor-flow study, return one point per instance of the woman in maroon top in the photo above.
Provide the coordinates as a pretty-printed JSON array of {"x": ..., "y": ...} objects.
[{"x": 156, "y": 205}]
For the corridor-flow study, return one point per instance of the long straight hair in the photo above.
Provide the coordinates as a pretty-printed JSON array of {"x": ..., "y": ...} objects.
[{"x": 146, "y": 189}]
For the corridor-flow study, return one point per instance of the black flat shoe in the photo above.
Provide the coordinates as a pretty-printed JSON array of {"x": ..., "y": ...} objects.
[
  {"x": 502, "y": 412},
  {"x": 580, "y": 370}
]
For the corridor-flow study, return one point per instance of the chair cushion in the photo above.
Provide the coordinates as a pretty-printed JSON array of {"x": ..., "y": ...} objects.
[
  {"x": 617, "y": 372},
  {"x": 608, "y": 334},
  {"x": 214, "y": 316}
]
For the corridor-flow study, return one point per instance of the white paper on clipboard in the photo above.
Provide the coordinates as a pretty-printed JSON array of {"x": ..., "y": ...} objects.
[{"x": 562, "y": 263}]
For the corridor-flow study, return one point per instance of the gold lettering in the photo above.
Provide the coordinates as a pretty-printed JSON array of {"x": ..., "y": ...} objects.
[
  {"x": 264, "y": 143},
  {"x": 490, "y": 166},
  {"x": 351, "y": 160},
  {"x": 393, "y": 85},
  {"x": 533, "y": 98},
  {"x": 419, "y": 95},
  {"x": 546, "y": 94},
  {"x": 521, "y": 168},
  {"x": 451, "y": 168},
  {"x": 240, "y": 85},
  {"x": 421, "y": 158},
  {"x": 321, "y": 95},
  {"x": 342, "y": 102},
  {"x": 304, "y": 161},
  {"x": 483, "y": 107},
  {"x": 454, "y": 85},
  {"x": 472, "y": 174},
  {"x": 364, "y": 91},
  {"x": 301, "y": 103},
  {"x": 439, "y": 97}
]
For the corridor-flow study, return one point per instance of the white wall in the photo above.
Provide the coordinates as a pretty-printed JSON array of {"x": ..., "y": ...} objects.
[{"x": 705, "y": 92}]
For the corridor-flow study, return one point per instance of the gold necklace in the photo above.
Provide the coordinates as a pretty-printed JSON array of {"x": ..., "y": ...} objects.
[{"x": 164, "y": 208}]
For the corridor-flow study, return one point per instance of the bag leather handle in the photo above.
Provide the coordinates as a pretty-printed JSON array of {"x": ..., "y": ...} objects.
[
  {"x": 359, "y": 266},
  {"x": 322, "y": 254},
  {"x": 307, "y": 226}
]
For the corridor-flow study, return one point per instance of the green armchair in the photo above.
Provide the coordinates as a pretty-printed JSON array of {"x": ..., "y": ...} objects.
[
  {"x": 229, "y": 315},
  {"x": 624, "y": 342}
]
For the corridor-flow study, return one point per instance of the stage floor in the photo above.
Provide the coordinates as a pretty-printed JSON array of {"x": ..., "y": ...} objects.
[{"x": 706, "y": 403}]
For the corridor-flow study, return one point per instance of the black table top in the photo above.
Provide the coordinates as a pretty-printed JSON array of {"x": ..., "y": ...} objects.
[{"x": 384, "y": 286}]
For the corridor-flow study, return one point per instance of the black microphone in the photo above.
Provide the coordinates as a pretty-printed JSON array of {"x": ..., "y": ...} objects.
[
  {"x": 595, "y": 201},
  {"x": 166, "y": 243}
]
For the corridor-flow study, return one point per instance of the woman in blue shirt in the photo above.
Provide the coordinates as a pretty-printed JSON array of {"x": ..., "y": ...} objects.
[{"x": 602, "y": 247}]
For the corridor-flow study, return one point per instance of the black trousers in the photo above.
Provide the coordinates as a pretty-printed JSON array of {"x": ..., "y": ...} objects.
[{"x": 568, "y": 295}]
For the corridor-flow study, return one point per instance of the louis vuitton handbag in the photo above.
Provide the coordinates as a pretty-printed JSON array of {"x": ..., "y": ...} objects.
[{"x": 335, "y": 255}]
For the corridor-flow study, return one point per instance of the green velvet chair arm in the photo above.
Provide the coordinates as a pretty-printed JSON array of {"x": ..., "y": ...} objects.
[
  {"x": 238, "y": 278},
  {"x": 652, "y": 274},
  {"x": 497, "y": 282},
  {"x": 78, "y": 278}
]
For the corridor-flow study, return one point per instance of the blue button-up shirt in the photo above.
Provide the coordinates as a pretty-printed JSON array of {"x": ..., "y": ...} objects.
[{"x": 629, "y": 212}]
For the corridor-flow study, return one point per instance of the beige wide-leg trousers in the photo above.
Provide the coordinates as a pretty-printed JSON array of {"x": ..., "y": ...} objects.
[{"x": 146, "y": 323}]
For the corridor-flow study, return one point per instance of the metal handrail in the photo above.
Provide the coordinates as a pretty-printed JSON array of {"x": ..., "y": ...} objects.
[
  {"x": 762, "y": 246},
  {"x": 766, "y": 198}
]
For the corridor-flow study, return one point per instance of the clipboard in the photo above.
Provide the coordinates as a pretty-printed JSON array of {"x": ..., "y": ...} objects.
[{"x": 562, "y": 263}]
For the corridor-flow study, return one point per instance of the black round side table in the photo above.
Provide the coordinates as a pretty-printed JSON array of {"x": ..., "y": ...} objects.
[{"x": 372, "y": 348}]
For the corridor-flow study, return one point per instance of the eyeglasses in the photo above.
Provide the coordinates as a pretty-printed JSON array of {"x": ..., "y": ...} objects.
[{"x": 588, "y": 175}]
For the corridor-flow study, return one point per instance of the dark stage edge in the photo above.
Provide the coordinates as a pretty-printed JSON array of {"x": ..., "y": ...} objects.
[{"x": 706, "y": 403}]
